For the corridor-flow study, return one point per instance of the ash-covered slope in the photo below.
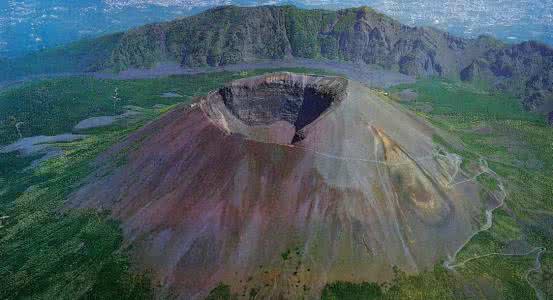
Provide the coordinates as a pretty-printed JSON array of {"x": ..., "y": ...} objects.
[{"x": 282, "y": 183}]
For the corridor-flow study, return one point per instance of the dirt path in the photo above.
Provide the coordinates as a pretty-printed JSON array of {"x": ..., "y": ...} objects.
[
  {"x": 537, "y": 268},
  {"x": 452, "y": 264},
  {"x": 537, "y": 265}
]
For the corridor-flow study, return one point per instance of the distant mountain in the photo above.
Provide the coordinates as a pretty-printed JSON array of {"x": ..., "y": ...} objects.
[
  {"x": 30, "y": 25},
  {"x": 231, "y": 34}
]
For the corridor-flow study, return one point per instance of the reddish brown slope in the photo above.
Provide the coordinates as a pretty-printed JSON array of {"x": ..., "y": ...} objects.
[{"x": 222, "y": 191}]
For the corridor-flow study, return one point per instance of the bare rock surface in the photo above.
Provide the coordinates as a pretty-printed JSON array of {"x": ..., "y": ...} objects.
[{"x": 220, "y": 190}]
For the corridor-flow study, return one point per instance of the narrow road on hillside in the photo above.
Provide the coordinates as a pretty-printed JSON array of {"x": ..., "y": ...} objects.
[{"x": 452, "y": 264}]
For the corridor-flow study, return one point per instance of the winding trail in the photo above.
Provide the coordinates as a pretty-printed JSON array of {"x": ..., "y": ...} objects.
[
  {"x": 451, "y": 263},
  {"x": 537, "y": 268},
  {"x": 537, "y": 249},
  {"x": 347, "y": 158}
]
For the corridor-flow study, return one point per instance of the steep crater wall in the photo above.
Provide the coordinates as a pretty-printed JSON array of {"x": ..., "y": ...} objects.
[
  {"x": 276, "y": 107},
  {"x": 271, "y": 102}
]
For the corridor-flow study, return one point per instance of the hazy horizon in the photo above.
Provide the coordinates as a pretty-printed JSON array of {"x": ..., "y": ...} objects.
[{"x": 30, "y": 25}]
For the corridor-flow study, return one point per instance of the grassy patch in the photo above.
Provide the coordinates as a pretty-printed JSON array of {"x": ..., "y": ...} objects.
[
  {"x": 460, "y": 99},
  {"x": 285, "y": 255},
  {"x": 52, "y": 254},
  {"x": 352, "y": 291},
  {"x": 433, "y": 284}
]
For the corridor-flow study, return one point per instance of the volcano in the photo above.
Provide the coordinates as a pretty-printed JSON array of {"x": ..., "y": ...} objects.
[{"x": 279, "y": 184}]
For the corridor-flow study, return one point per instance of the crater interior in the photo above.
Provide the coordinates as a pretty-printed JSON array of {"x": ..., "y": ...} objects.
[{"x": 267, "y": 101}]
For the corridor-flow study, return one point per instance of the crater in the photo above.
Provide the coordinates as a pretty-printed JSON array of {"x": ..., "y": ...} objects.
[{"x": 258, "y": 107}]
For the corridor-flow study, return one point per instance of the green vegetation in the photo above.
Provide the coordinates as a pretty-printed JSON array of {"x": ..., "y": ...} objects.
[
  {"x": 285, "y": 255},
  {"x": 346, "y": 21},
  {"x": 434, "y": 284},
  {"x": 220, "y": 292},
  {"x": 303, "y": 27},
  {"x": 316, "y": 33},
  {"x": 454, "y": 98},
  {"x": 544, "y": 279},
  {"x": 52, "y": 254},
  {"x": 217, "y": 36},
  {"x": 351, "y": 291}
]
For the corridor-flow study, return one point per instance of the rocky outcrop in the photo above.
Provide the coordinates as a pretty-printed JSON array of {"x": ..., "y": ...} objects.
[
  {"x": 525, "y": 69},
  {"x": 243, "y": 34},
  {"x": 222, "y": 192},
  {"x": 229, "y": 35}
]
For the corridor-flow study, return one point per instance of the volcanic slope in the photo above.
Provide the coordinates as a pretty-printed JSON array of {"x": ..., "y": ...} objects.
[{"x": 282, "y": 183}]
